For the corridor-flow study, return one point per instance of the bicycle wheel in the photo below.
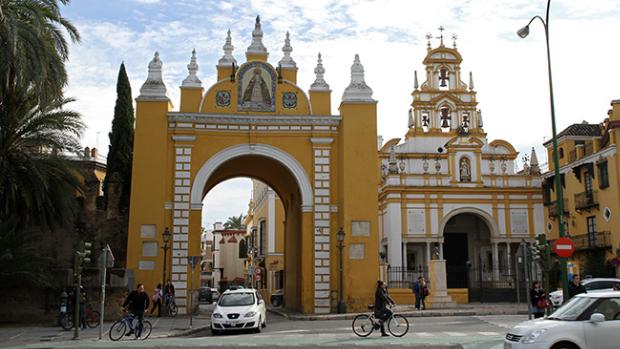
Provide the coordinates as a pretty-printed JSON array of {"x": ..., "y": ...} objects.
[
  {"x": 66, "y": 321},
  {"x": 172, "y": 309},
  {"x": 117, "y": 331},
  {"x": 363, "y": 325},
  {"x": 146, "y": 329},
  {"x": 92, "y": 318},
  {"x": 398, "y": 325}
]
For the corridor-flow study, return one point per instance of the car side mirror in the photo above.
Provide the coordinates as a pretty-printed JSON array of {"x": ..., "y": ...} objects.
[{"x": 597, "y": 317}]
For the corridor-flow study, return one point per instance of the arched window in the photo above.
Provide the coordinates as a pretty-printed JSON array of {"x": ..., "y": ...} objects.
[
  {"x": 444, "y": 115},
  {"x": 561, "y": 152},
  {"x": 443, "y": 78},
  {"x": 243, "y": 249}
]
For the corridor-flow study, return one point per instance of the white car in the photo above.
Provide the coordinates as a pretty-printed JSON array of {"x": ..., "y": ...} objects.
[
  {"x": 587, "y": 321},
  {"x": 240, "y": 309},
  {"x": 591, "y": 285}
]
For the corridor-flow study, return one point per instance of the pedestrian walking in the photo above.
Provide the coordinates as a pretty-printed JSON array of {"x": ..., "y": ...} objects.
[
  {"x": 382, "y": 303},
  {"x": 421, "y": 291},
  {"x": 157, "y": 299},
  {"x": 575, "y": 287},
  {"x": 538, "y": 300}
]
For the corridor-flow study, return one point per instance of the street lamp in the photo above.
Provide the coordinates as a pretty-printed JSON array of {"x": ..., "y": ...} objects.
[
  {"x": 166, "y": 238},
  {"x": 341, "y": 308},
  {"x": 523, "y": 32}
]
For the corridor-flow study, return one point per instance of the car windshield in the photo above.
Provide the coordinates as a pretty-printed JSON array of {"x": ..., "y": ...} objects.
[
  {"x": 571, "y": 310},
  {"x": 236, "y": 299}
]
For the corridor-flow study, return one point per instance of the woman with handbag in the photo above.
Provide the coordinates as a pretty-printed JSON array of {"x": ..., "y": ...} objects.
[{"x": 538, "y": 300}]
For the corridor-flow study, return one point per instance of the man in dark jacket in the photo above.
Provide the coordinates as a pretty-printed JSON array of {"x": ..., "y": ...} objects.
[
  {"x": 575, "y": 287},
  {"x": 382, "y": 301},
  {"x": 137, "y": 303}
]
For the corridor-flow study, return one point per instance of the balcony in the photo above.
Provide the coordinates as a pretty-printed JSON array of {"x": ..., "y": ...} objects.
[
  {"x": 552, "y": 206},
  {"x": 586, "y": 200},
  {"x": 594, "y": 240}
]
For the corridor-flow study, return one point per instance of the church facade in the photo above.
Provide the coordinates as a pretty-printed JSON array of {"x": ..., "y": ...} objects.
[{"x": 447, "y": 193}]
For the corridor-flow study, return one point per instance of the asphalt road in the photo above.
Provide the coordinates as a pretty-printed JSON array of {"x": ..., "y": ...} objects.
[{"x": 468, "y": 332}]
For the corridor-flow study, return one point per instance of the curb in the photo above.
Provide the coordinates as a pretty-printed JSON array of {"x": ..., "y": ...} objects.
[
  {"x": 420, "y": 314},
  {"x": 187, "y": 332}
]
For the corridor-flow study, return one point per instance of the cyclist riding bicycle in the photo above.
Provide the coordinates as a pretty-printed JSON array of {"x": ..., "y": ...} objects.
[
  {"x": 382, "y": 303},
  {"x": 137, "y": 303}
]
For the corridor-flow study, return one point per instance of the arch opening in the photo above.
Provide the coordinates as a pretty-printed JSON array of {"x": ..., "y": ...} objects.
[{"x": 283, "y": 180}]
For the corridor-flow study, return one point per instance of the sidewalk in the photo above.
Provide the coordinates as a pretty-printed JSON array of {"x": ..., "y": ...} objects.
[
  {"x": 163, "y": 327},
  {"x": 470, "y": 309}
]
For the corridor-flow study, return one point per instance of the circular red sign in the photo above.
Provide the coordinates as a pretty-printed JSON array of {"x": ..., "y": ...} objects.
[{"x": 564, "y": 247}]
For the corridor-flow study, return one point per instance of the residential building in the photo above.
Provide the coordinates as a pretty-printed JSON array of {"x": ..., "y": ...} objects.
[{"x": 589, "y": 172}]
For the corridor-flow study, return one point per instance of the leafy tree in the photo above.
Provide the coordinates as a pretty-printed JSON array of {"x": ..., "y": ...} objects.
[
  {"x": 34, "y": 49},
  {"x": 22, "y": 263},
  {"x": 37, "y": 183},
  {"x": 234, "y": 222},
  {"x": 120, "y": 153}
]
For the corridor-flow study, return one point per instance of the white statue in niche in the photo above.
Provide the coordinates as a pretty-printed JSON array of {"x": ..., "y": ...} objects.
[
  {"x": 257, "y": 90},
  {"x": 465, "y": 170}
]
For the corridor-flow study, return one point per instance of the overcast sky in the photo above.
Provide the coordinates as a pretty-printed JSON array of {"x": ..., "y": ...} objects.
[{"x": 510, "y": 74}]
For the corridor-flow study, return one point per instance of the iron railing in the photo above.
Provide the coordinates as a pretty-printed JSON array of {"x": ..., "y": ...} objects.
[
  {"x": 553, "y": 208},
  {"x": 586, "y": 200},
  {"x": 400, "y": 277},
  {"x": 592, "y": 240}
]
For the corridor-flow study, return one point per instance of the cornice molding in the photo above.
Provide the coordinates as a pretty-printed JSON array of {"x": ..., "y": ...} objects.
[{"x": 327, "y": 120}]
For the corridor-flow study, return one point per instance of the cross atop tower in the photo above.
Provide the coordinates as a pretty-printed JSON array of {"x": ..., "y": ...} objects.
[
  {"x": 440, "y": 37},
  {"x": 454, "y": 37}
]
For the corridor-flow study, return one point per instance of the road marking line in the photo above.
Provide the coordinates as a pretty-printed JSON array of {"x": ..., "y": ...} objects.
[
  {"x": 424, "y": 334},
  {"x": 455, "y": 334},
  {"x": 17, "y": 335},
  {"x": 489, "y": 333},
  {"x": 292, "y": 331}
]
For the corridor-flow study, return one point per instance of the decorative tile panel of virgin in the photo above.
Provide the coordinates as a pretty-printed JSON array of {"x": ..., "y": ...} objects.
[{"x": 256, "y": 87}]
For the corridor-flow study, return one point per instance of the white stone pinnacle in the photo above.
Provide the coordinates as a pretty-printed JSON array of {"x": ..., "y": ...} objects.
[
  {"x": 192, "y": 68},
  {"x": 471, "y": 81},
  {"x": 257, "y": 47},
  {"x": 154, "y": 85},
  {"x": 319, "y": 83},
  {"x": 357, "y": 91},
  {"x": 287, "y": 61},
  {"x": 228, "y": 59},
  {"x": 415, "y": 80}
]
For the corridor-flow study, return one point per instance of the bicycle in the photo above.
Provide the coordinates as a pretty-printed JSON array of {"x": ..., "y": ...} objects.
[
  {"x": 169, "y": 307},
  {"x": 119, "y": 328},
  {"x": 364, "y": 324},
  {"x": 91, "y": 316}
]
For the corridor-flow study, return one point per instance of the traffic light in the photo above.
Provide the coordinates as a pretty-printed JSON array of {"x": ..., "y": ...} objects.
[{"x": 82, "y": 255}]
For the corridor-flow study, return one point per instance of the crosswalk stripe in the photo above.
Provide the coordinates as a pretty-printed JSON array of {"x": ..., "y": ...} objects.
[
  {"x": 455, "y": 334},
  {"x": 424, "y": 334},
  {"x": 489, "y": 333}
]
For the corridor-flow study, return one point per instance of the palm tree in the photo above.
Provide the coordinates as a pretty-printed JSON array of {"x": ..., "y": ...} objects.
[
  {"x": 34, "y": 49},
  {"x": 37, "y": 183},
  {"x": 234, "y": 222}
]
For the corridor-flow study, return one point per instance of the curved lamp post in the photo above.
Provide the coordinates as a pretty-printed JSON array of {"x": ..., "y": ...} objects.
[
  {"x": 165, "y": 238},
  {"x": 523, "y": 32}
]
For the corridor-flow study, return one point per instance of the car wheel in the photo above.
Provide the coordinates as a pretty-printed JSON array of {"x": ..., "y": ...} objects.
[
  {"x": 565, "y": 345},
  {"x": 264, "y": 324},
  {"x": 258, "y": 326}
]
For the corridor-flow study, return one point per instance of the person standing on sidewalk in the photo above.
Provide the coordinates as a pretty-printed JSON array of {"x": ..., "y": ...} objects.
[
  {"x": 157, "y": 298},
  {"x": 138, "y": 303},
  {"x": 538, "y": 300},
  {"x": 421, "y": 291}
]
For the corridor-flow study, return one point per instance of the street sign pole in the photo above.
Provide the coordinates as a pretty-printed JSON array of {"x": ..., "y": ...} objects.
[{"x": 104, "y": 253}]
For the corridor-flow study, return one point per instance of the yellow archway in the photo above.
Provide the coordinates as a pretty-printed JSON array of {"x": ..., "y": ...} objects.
[{"x": 256, "y": 122}]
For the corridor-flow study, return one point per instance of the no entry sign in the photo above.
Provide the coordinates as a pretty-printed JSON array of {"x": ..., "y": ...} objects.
[{"x": 564, "y": 247}]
